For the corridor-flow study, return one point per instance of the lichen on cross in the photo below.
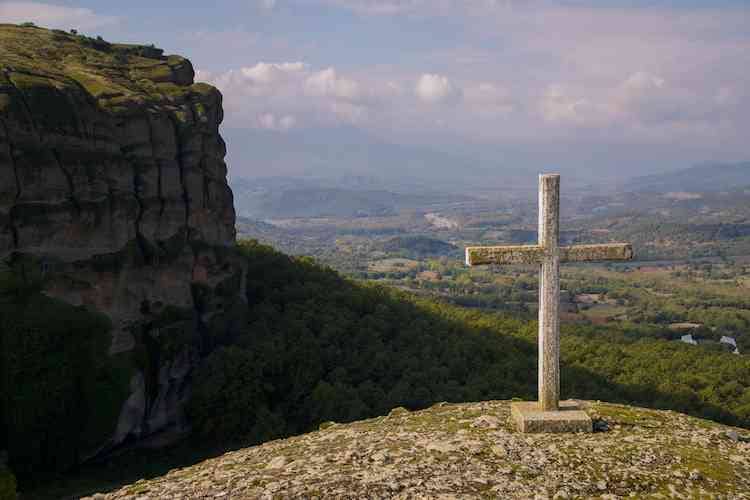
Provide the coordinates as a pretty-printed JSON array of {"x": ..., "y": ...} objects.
[{"x": 549, "y": 254}]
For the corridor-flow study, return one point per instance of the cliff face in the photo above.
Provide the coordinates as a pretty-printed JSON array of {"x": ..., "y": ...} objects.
[
  {"x": 471, "y": 451},
  {"x": 113, "y": 196}
]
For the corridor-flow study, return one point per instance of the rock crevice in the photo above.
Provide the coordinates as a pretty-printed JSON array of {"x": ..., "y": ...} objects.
[{"x": 17, "y": 183}]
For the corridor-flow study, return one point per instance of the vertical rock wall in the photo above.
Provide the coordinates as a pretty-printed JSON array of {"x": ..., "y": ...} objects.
[{"x": 113, "y": 195}]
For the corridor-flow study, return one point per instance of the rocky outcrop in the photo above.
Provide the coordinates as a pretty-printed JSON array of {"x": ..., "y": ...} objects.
[
  {"x": 471, "y": 451},
  {"x": 113, "y": 195}
]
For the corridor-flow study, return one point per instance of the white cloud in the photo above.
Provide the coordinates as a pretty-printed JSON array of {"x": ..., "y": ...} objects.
[
  {"x": 203, "y": 75},
  {"x": 287, "y": 122},
  {"x": 348, "y": 112},
  {"x": 418, "y": 7},
  {"x": 609, "y": 75},
  {"x": 53, "y": 16},
  {"x": 268, "y": 4},
  {"x": 264, "y": 94},
  {"x": 557, "y": 105},
  {"x": 433, "y": 88},
  {"x": 260, "y": 80},
  {"x": 328, "y": 83},
  {"x": 267, "y": 121},
  {"x": 377, "y": 7},
  {"x": 653, "y": 101},
  {"x": 271, "y": 73},
  {"x": 486, "y": 92},
  {"x": 270, "y": 121},
  {"x": 641, "y": 81},
  {"x": 489, "y": 99}
]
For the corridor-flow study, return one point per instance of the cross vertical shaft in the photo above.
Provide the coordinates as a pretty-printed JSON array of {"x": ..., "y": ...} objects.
[{"x": 549, "y": 292}]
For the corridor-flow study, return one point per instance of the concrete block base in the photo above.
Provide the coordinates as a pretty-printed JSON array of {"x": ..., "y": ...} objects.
[{"x": 528, "y": 418}]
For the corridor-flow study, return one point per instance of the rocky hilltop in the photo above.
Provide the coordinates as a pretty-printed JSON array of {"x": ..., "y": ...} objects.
[
  {"x": 471, "y": 451},
  {"x": 113, "y": 196}
]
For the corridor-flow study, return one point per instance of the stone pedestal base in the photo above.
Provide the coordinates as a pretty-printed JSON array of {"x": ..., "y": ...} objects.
[{"x": 569, "y": 418}]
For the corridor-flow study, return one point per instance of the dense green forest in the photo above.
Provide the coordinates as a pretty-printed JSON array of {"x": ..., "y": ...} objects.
[
  {"x": 59, "y": 391},
  {"x": 319, "y": 347},
  {"x": 312, "y": 346}
]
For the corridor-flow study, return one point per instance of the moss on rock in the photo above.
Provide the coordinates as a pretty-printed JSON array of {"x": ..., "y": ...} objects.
[
  {"x": 472, "y": 450},
  {"x": 34, "y": 55},
  {"x": 7, "y": 484}
]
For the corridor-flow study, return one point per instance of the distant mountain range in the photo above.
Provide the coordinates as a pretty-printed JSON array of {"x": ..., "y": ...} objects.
[
  {"x": 346, "y": 152},
  {"x": 700, "y": 178},
  {"x": 285, "y": 197}
]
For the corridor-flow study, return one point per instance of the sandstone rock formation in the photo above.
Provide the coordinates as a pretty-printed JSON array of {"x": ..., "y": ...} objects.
[
  {"x": 470, "y": 451},
  {"x": 113, "y": 195}
]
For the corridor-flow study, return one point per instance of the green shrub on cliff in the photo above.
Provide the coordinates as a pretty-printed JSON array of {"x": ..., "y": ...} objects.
[
  {"x": 60, "y": 393},
  {"x": 7, "y": 484}
]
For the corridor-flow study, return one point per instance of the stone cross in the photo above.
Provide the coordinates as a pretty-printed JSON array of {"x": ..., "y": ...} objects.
[{"x": 548, "y": 253}]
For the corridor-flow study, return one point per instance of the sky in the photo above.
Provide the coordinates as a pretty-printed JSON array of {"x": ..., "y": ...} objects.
[{"x": 602, "y": 88}]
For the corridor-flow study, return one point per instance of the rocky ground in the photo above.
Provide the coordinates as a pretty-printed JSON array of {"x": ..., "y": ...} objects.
[{"x": 471, "y": 451}]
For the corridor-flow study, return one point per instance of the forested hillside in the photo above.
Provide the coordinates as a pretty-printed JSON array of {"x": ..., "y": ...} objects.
[
  {"x": 317, "y": 347},
  {"x": 311, "y": 346}
]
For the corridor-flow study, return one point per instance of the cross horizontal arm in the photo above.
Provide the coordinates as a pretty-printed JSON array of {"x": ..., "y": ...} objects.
[
  {"x": 534, "y": 254},
  {"x": 592, "y": 253},
  {"x": 518, "y": 254}
]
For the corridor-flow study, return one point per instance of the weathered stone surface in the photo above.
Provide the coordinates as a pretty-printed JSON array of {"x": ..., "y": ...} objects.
[
  {"x": 113, "y": 193},
  {"x": 510, "y": 254},
  {"x": 534, "y": 254},
  {"x": 101, "y": 149},
  {"x": 594, "y": 253},
  {"x": 528, "y": 417},
  {"x": 440, "y": 453},
  {"x": 548, "y": 372}
]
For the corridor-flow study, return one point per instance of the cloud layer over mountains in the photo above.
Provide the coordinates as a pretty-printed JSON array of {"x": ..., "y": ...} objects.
[{"x": 667, "y": 78}]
